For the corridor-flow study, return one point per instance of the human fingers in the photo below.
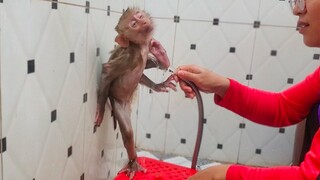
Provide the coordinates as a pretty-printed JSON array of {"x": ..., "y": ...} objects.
[
  {"x": 187, "y": 75},
  {"x": 184, "y": 87},
  {"x": 189, "y": 93},
  {"x": 190, "y": 68}
]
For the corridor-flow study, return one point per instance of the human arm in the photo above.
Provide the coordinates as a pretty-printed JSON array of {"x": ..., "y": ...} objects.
[
  {"x": 274, "y": 109},
  {"x": 308, "y": 169}
]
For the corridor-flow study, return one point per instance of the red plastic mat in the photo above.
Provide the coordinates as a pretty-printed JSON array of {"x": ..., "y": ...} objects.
[{"x": 159, "y": 170}]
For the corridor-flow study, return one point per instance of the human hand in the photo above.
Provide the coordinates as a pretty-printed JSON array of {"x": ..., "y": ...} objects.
[{"x": 206, "y": 80}]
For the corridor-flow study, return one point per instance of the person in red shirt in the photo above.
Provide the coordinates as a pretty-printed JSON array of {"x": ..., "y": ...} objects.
[{"x": 269, "y": 108}]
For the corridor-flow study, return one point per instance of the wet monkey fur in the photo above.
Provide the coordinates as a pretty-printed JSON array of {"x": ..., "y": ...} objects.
[{"x": 136, "y": 51}]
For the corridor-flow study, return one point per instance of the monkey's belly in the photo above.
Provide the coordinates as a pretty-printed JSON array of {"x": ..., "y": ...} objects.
[{"x": 123, "y": 88}]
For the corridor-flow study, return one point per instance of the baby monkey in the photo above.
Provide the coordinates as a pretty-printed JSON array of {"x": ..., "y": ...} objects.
[{"x": 136, "y": 51}]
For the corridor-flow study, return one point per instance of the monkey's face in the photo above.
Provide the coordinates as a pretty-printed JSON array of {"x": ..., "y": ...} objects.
[{"x": 140, "y": 27}]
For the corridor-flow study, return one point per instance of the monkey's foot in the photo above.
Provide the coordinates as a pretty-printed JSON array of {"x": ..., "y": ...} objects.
[{"x": 131, "y": 168}]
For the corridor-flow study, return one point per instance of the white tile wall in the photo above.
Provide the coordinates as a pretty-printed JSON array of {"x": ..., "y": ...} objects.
[{"x": 47, "y": 114}]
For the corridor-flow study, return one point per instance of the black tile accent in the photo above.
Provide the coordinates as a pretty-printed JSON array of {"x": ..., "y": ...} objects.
[
  {"x": 232, "y": 50},
  {"x": 176, "y": 19},
  {"x": 53, "y": 115},
  {"x": 82, "y": 177},
  {"x": 31, "y": 66},
  {"x": 242, "y": 125},
  {"x": 109, "y": 173},
  {"x": 316, "y": 56},
  {"x": 1, "y": 1},
  {"x": 108, "y": 10},
  {"x": 121, "y": 155},
  {"x": 85, "y": 97},
  {"x": 54, "y": 4},
  {"x": 249, "y": 77},
  {"x": 87, "y": 7},
  {"x": 69, "y": 151},
  {"x": 273, "y": 53},
  {"x": 183, "y": 141},
  {"x": 98, "y": 52},
  {"x": 148, "y": 136},
  {"x": 3, "y": 144},
  {"x": 258, "y": 151},
  {"x": 256, "y": 24},
  {"x": 102, "y": 153},
  {"x": 94, "y": 129},
  {"x": 290, "y": 80},
  {"x": 215, "y": 21},
  {"x": 282, "y": 130},
  {"x": 193, "y": 46},
  {"x": 150, "y": 91},
  {"x": 220, "y": 146},
  {"x": 117, "y": 135},
  {"x": 204, "y": 121},
  {"x": 72, "y": 57},
  {"x": 167, "y": 116}
]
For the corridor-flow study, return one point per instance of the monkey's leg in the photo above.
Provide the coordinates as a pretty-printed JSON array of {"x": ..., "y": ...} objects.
[{"x": 122, "y": 112}]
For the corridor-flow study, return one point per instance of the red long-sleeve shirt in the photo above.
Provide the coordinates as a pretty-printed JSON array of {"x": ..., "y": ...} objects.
[{"x": 276, "y": 109}]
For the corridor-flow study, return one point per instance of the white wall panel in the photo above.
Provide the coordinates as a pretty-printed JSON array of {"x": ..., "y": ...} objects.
[
  {"x": 162, "y": 9},
  {"x": 276, "y": 13},
  {"x": 48, "y": 111},
  {"x": 236, "y": 11}
]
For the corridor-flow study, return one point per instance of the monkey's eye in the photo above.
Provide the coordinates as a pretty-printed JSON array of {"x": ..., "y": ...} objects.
[{"x": 133, "y": 24}]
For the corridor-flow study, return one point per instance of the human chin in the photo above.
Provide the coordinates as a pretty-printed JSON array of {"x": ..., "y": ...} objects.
[{"x": 311, "y": 42}]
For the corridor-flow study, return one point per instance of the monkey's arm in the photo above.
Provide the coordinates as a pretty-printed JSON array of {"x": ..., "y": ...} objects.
[
  {"x": 152, "y": 62},
  {"x": 161, "y": 87},
  {"x": 159, "y": 57}
]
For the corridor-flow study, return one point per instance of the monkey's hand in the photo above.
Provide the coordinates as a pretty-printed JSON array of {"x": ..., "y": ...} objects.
[
  {"x": 160, "y": 53},
  {"x": 131, "y": 168},
  {"x": 163, "y": 87}
]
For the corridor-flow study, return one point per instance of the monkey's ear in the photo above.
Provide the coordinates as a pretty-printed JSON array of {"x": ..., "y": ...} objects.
[{"x": 122, "y": 40}]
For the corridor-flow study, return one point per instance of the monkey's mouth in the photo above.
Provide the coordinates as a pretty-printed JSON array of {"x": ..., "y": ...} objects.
[{"x": 149, "y": 29}]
